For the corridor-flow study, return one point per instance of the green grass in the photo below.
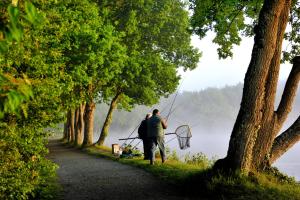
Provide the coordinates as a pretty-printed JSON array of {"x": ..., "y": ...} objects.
[{"x": 199, "y": 181}]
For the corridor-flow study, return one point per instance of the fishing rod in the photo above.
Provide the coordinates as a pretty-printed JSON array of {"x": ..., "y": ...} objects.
[
  {"x": 172, "y": 105},
  {"x": 133, "y": 138},
  {"x": 128, "y": 138},
  {"x": 170, "y": 111}
]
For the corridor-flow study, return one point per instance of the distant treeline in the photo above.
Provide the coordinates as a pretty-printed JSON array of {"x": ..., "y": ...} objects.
[{"x": 210, "y": 109}]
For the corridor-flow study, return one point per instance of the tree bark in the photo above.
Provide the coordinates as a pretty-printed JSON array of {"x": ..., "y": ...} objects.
[
  {"x": 71, "y": 130},
  {"x": 108, "y": 120},
  {"x": 269, "y": 127},
  {"x": 68, "y": 127},
  {"x": 289, "y": 93},
  {"x": 285, "y": 141},
  {"x": 79, "y": 124},
  {"x": 89, "y": 123},
  {"x": 65, "y": 137},
  {"x": 288, "y": 138},
  {"x": 239, "y": 156}
]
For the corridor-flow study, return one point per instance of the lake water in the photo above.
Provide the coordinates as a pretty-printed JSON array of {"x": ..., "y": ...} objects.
[{"x": 216, "y": 145}]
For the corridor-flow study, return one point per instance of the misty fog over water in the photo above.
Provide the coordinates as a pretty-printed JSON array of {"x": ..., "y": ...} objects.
[{"x": 210, "y": 113}]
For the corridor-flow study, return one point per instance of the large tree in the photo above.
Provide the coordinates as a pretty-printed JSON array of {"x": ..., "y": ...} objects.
[
  {"x": 255, "y": 143},
  {"x": 89, "y": 50},
  {"x": 158, "y": 42}
]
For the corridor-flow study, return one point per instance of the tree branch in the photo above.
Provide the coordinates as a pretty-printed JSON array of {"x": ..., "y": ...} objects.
[
  {"x": 289, "y": 92},
  {"x": 285, "y": 141}
]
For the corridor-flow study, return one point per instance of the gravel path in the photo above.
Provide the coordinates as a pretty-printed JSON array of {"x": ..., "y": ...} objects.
[{"x": 85, "y": 176}]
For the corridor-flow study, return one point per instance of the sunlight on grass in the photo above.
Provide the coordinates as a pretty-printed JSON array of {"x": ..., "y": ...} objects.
[{"x": 194, "y": 177}]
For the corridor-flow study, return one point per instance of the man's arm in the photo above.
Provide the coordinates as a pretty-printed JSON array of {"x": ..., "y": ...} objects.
[{"x": 164, "y": 123}]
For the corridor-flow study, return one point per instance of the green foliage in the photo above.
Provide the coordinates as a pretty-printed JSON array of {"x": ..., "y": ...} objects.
[
  {"x": 54, "y": 51},
  {"x": 199, "y": 159},
  {"x": 259, "y": 186},
  {"x": 227, "y": 19},
  {"x": 13, "y": 92},
  {"x": 281, "y": 177},
  {"x": 24, "y": 171},
  {"x": 231, "y": 19},
  {"x": 14, "y": 32},
  {"x": 293, "y": 34},
  {"x": 171, "y": 155},
  {"x": 91, "y": 48},
  {"x": 151, "y": 30}
]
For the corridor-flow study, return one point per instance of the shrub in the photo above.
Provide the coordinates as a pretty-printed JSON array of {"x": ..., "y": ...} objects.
[
  {"x": 24, "y": 171},
  {"x": 199, "y": 159},
  {"x": 171, "y": 155}
]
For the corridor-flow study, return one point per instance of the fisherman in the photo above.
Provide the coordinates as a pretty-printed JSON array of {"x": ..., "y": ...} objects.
[
  {"x": 142, "y": 132},
  {"x": 155, "y": 133}
]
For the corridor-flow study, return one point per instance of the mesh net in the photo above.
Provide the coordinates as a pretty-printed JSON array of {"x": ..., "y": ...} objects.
[{"x": 183, "y": 134}]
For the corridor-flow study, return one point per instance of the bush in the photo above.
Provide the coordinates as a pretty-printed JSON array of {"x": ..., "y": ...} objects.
[
  {"x": 171, "y": 155},
  {"x": 199, "y": 159},
  {"x": 24, "y": 171}
]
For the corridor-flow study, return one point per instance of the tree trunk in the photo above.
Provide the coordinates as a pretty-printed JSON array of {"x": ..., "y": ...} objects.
[
  {"x": 71, "y": 131},
  {"x": 89, "y": 123},
  {"x": 284, "y": 108},
  {"x": 288, "y": 138},
  {"x": 65, "y": 137},
  {"x": 68, "y": 127},
  {"x": 285, "y": 141},
  {"x": 108, "y": 120},
  {"x": 250, "y": 118},
  {"x": 270, "y": 127},
  {"x": 79, "y": 125}
]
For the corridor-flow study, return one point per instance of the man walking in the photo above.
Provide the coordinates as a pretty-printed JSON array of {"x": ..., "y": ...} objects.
[{"x": 155, "y": 133}]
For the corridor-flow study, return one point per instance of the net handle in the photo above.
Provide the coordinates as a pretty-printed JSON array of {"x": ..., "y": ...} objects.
[
  {"x": 177, "y": 129},
  {"x": 170, "y": 133},
  {"x": 133, "y": 138}
]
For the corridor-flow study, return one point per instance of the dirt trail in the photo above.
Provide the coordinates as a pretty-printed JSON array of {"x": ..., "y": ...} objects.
[{"x": 85, "y": 176}]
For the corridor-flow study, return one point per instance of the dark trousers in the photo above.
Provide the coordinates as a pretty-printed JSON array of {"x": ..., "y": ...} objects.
[
  {"x": 154, "y": 142},
  {"x": 146, "y": 145}
]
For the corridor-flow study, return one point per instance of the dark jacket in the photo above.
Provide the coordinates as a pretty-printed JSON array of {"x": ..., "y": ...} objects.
[{"x": 142, "y": 130}]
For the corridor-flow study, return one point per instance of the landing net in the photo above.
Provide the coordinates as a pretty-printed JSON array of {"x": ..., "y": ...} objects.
[{"x": 184, "y": 135}]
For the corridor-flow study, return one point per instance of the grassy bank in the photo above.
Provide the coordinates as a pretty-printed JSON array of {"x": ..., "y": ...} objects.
[{"x": 195, "y": 178}]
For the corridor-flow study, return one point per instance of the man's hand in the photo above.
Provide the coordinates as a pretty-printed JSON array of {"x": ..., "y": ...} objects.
[{"x": 164, "y": 123}]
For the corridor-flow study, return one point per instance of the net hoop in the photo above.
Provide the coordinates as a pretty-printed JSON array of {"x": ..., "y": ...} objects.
[{"x": 184, "y": 135}]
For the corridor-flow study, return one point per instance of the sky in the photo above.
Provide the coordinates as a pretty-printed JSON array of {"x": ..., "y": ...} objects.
[{"x": 212, "y": 72}]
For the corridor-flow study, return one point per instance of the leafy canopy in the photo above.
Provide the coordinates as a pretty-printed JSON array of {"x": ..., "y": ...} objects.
[
  {"x": 232, "y": 19},
  {"x": 157, "y": 40}
]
